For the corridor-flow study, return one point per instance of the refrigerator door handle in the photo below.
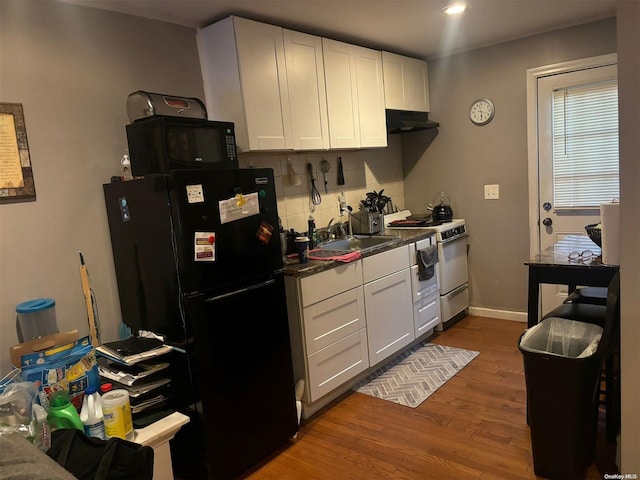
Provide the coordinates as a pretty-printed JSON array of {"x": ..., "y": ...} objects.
[{"x": 238, "y": 292}]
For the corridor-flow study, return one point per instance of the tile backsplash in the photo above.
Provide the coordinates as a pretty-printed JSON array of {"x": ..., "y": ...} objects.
[{"x": 364, "y": 171}]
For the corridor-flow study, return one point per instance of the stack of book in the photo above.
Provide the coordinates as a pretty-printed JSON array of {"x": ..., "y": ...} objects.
[{"x": 139, "y": 366}]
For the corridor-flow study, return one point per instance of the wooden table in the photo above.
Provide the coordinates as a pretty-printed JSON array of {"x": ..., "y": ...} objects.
[{"x": 552, "y": 265}]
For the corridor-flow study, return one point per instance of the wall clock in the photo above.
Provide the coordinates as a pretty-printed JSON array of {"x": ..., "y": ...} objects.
[{"x": 482, "y": 111}]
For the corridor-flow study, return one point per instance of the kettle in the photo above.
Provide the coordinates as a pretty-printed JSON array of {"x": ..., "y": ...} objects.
[{"x": 442, "y": 211}]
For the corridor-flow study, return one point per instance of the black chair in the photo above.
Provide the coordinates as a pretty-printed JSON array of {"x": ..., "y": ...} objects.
[{"x": 608, "y": 317}]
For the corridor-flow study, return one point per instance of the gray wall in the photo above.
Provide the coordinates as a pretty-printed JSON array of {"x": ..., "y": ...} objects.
[
  {"x": 629, "y": 99},
  {"x": 462, "y": 158},
  {"x": 72, "y": 68}
]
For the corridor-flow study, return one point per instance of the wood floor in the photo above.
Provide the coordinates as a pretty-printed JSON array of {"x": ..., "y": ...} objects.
[{"x": 472, "y": 427}]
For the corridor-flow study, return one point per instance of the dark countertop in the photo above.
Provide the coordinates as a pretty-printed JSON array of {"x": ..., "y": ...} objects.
[
  {"x": 558, "y": 254},
  {"x": 404, "y": 237}
]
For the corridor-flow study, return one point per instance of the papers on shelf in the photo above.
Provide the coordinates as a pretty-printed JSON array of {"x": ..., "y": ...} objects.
[
  {"x": 133, "y": 350},
  {"x": 129, "y": 375}
]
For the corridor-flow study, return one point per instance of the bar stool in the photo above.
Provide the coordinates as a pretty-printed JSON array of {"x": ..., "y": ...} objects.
[
  {"x": 608, "y": 317},
  {"x": 589, "y": 295}
]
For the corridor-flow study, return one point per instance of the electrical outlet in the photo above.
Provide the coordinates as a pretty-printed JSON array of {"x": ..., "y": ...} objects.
[{"x": 492, "y": 192}]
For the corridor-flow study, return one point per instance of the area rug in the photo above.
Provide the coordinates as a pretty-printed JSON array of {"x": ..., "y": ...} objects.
[{"x": 412, "y": 377}]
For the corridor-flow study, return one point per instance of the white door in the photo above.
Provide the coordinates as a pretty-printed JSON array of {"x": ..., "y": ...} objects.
[
  {"x": 307, "y": 93},
  {"x": 565, "y": 203},
  {"x": 342, "y": 94},
  {"x": 370, "y": 86},
  {"x": 389, "y": 313},
  {"x": 263, "y": 76}
]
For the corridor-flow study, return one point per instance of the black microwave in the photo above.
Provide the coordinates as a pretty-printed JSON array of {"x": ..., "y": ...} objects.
[{"x": 161, "y": 144}]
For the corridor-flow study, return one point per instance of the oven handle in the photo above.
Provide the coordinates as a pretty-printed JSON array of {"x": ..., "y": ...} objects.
[
  {"x": 453, "y": 239},
  {"x": 458, "y": 290}
]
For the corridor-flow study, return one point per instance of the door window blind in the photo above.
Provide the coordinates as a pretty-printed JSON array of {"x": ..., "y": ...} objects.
[{"x": 585, "y": 145}]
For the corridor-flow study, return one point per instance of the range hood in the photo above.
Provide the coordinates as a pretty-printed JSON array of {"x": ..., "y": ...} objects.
[{"x": 403, "y": 121}]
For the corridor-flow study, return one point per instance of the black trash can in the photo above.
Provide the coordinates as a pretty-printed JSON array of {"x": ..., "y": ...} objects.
[{"x": 562, "y": 370}]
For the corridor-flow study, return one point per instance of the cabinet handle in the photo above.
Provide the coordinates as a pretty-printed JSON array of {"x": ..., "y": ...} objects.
[
  {"x": 426, "y": 306},
  {"x": 458, "y": 290}
]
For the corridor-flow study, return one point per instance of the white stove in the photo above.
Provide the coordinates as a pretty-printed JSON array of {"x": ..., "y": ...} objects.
[
  {"x": 453, "y": 274},
  {"x": 445, "y": 231}
]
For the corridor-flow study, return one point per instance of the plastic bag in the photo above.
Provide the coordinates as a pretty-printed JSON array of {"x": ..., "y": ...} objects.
[{"x": 21, "y": 413}]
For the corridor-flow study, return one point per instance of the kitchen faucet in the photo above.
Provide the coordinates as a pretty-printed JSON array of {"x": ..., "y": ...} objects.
[
  {"x": 331, "y": 227},
  {"x": 349, "y": 210}
]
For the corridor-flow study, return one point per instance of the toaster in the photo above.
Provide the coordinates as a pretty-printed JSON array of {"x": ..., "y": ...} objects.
[{"x": 366, "y": 223}]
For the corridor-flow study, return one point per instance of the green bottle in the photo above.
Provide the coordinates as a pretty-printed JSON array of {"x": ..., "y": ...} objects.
[{"x": 62, "y": 413}]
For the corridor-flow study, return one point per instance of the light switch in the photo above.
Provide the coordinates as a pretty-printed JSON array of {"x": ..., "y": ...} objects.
[{"x": 492, "y": 192}]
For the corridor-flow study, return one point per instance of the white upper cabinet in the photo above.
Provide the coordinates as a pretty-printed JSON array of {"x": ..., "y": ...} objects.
[
  {"x": 406, "y": 83},
  {"x": 287, "y": 90},
  {"x": 307, "y": 96},
  {"x": 245, "y": 81},
  {"x": 355, "y": 95}
]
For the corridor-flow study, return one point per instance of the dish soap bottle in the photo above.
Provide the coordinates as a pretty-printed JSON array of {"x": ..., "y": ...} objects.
[
  {"x": 91, "y": 414},
  {"x": 311, "y": 232}
]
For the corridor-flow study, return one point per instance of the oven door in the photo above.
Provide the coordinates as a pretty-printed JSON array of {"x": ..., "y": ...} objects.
[{"x": 452, "y": 264}]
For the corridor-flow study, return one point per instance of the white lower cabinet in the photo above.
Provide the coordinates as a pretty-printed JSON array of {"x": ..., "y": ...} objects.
[
  {"x": 328, "y": 328},
  {"x": 388, "y": 303},
  {"x": 339, "y": 362},
  {"x": 426, "y": 314},
  {"x": 336, "y": 341},
  {"x": 389, "y": 315},
  {"x": 348, "y": 320}
]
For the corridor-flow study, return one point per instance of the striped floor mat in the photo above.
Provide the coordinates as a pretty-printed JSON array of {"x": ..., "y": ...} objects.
[{"x": 413, "y": 376}]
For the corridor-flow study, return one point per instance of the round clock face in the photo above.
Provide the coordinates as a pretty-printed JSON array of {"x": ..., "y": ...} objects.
[{"x": 481, "y": 111}]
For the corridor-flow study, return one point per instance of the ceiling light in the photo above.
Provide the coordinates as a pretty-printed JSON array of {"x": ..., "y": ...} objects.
[{"x": 455, "y": 8}]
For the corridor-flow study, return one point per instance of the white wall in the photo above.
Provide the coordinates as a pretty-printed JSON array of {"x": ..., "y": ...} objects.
[
  {"x": 462, "y": 158},
  {"x": 629, "y": 101},
  {"x": 364, "y": 171},
  {"x": 72, "y": 68}
]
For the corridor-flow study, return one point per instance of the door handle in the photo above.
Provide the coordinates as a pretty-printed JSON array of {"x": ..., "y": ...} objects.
[
  {"x": 547, "y": 222},
  {"x": 240, "y": 291}
]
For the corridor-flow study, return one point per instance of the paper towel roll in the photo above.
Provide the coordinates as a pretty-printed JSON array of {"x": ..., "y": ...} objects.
[{"x": 610, "y": 218}]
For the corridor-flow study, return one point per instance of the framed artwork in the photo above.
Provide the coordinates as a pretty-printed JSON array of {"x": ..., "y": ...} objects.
[{"x": 16, "y": 175}]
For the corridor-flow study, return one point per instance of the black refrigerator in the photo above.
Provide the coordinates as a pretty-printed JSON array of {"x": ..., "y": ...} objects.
[{"x": 198, "y": 259}]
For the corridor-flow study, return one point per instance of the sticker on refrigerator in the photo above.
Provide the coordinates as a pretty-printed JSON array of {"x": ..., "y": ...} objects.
[
  {"x": 238, "y": 207},
  {"x": 204, "y": 247},
  {"x": 265, "y": 230},
  {"x": 195, "y": 194}
]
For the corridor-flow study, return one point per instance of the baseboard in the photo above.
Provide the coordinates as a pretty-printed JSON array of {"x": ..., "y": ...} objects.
[{"x": 501, "y": 314}]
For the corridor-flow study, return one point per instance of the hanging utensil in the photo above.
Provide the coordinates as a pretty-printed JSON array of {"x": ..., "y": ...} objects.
[
  {"x": 340, "y": 172},
  {"x": 315, "y": 194},
  {"x": 325, "y": 166}
]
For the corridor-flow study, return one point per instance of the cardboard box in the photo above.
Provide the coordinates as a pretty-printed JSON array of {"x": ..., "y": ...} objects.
[{"x": 40, "y": 344}]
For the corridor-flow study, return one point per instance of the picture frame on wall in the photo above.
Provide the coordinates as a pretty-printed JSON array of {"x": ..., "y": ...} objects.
[{"x": 16, "y": 174}]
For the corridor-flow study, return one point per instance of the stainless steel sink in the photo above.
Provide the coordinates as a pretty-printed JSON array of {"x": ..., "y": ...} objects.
[
  {"x": 320, "y": 252},
  {"x": 358, "y": 243}
]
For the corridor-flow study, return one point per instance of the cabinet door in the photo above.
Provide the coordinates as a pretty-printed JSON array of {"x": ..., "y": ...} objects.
[
  {"x": 426, "y": 314},
  {"x": 336, "y": 317},
  {"x": 342, "y": 94},
  {"x": 370, "y": 85},
  {"x": 389, "y": 313},
  {"x": 334, "y": 365},
  {"x": 307, "y": 95},
  {"x": 263, "y": 79},
  {"x": 406, "y": 83}
]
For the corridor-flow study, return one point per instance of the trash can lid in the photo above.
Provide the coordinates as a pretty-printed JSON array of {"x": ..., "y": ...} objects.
[{"x": 32, "y": 306}]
